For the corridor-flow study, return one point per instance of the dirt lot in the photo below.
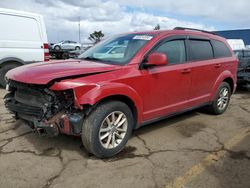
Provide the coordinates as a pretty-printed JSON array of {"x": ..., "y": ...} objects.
[{"x": 191, "y": 150}]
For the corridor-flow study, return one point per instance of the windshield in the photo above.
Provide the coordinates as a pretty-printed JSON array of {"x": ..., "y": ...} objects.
[{"x": 117, "y": 50}]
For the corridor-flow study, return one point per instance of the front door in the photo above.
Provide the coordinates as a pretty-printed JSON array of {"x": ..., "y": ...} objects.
[{"x": 167, "y": 86}]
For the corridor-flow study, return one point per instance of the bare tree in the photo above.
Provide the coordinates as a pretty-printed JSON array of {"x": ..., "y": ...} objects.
[{"x": 157, "y": 27}]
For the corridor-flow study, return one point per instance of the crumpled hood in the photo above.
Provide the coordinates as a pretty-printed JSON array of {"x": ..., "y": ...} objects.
[{"x": 43, "y": 73}]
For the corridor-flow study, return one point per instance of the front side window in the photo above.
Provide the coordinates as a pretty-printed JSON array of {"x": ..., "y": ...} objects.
[
  {"x": 117, "y": 50},
  {"x": 200, "y": 50},
  {"x": 175, "y": 51}
]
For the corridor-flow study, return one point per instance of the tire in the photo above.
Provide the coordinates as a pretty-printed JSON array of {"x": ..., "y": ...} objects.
[
  {"x": 95, "y": 123},
  {"x": 77, "y": 48},
  {"x": 57, "y": 47},
  {"x": 221, "y": 100},
  {"x": 65, "y": 55},
  {"x": 3, "y": 72}
]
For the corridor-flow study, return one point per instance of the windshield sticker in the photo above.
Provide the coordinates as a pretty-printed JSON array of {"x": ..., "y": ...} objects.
[{"x": 142, "y": 37}]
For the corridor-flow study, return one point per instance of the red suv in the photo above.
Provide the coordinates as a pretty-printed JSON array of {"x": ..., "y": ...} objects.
[{"x": 123, "y": 83}]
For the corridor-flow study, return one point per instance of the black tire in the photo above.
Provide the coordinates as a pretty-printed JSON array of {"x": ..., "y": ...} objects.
[
  {"x": 65, "y": 55},
  {"x": 57, "y": 47},
  {"x": 3, "y": 72},
  {"x": 214, "y": 108},
  {"x": 77, "y": 48},
  {"x": 92, "y": 125}
]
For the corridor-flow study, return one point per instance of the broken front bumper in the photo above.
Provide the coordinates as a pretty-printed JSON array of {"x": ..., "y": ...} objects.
[
  {"x": 63, "y": 122},
  {"x": 46, "y": 112}
]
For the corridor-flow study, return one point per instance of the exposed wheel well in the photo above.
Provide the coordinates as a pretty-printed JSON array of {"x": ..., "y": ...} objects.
[
  {"x": 121, "y": 98},
  {"x": 230, "y": 82},
  {"x": 10, "y": 62}
]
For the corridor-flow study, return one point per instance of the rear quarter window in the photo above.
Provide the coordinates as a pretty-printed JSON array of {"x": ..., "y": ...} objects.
[
  {"x": 220, "y": 49},
  {"x": 200, "y": 50}
]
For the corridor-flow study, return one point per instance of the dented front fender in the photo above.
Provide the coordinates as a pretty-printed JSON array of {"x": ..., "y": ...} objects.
[{"x": 90, "y": 93}]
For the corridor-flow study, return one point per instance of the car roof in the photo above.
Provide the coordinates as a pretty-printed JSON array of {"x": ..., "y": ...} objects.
[{"x": 180, "y": 32}]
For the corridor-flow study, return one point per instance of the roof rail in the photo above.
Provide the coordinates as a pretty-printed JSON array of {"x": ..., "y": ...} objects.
[{"x": 192, "y": 29}]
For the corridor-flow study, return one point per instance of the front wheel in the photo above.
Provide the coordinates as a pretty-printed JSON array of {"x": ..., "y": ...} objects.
[
  {"x": 222, "y": 98},
  {"x": 3, "y": 72},
  {"x": 107, "y": 129}
]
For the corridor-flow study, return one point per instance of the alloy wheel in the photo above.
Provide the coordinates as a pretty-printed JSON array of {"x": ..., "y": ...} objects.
[
  {"x": 223, "y": 98},
  {"x": 113, "y": 129}
]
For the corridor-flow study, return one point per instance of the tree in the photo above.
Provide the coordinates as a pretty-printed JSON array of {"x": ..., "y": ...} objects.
[
  {"x": 96, "y": 36},
  {"x": 157, "y": 27}
]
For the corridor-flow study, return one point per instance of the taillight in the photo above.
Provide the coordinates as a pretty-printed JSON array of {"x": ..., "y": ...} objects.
[{"x": 46, "y": 51}]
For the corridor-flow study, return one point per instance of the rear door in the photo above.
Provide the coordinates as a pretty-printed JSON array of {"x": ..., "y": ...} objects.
[
  {"x": 205, "y": 70},
  {"x": 168, "y": 86}
]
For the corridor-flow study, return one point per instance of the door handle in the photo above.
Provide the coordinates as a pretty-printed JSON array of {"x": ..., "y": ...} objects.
[
  {"x": 217, "y": 65},
  {"x": 185, "y": 71}
]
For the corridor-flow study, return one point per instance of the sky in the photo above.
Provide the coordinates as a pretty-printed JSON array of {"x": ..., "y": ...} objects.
[{"x": 118, "y": 16}]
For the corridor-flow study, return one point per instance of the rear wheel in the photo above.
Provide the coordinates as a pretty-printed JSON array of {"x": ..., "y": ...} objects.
[
  {"x": 107, "y": 129},
  {"x": 57, "y": 47},
  {"x": 3, "y": 72},
  {"x": 222, "y": 98}
]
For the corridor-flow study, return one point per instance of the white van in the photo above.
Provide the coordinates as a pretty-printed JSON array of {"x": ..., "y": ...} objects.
[{"x": 23, "y": 40}]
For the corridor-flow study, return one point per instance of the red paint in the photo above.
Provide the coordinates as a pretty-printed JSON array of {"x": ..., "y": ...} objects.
[
  {"x": 66, "y": 126},
  {"x": 46, "y": 51},
  {"x": 156, "y": 91},
  {"x": 157, "y": 59}
]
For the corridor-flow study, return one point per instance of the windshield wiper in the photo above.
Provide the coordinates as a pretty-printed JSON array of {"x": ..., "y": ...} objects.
[{"x": 91, "y": 58}]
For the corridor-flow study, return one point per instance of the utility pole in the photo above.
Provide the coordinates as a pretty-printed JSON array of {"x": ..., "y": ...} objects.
[{"x": 79, "y": 29}]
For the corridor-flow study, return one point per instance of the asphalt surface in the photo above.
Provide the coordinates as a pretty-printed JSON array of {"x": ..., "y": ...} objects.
[{"x": 194, "y": 149}]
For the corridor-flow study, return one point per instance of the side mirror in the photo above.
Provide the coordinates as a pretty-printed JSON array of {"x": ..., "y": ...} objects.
[{"x": 157, "y": 59}]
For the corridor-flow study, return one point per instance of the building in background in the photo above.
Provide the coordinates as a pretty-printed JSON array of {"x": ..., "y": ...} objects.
[{"x": 243, "y": 34}]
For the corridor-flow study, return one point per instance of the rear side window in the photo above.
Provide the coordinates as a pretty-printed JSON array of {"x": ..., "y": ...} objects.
[
  {"x": 200, "y": 50},
  {"x": 175, "y": 51},
  {"x": 220, "y": 49}
]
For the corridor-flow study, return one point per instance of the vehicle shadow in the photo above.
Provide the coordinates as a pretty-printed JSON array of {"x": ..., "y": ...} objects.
[
  {"x": 169, "y": 121},
  {"x": 54, "y": 146}
]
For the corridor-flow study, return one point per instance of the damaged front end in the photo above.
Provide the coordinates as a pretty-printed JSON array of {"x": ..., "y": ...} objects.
[{"x": 45, "y": 111}]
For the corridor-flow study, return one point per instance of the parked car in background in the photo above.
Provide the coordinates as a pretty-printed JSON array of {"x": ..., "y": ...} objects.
[
  {"x": 243, "y": 67},
  {"x": 103, "y": 98},
  {"x": 66, "y": 45},
  {"x": 23, "y": 40}
]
